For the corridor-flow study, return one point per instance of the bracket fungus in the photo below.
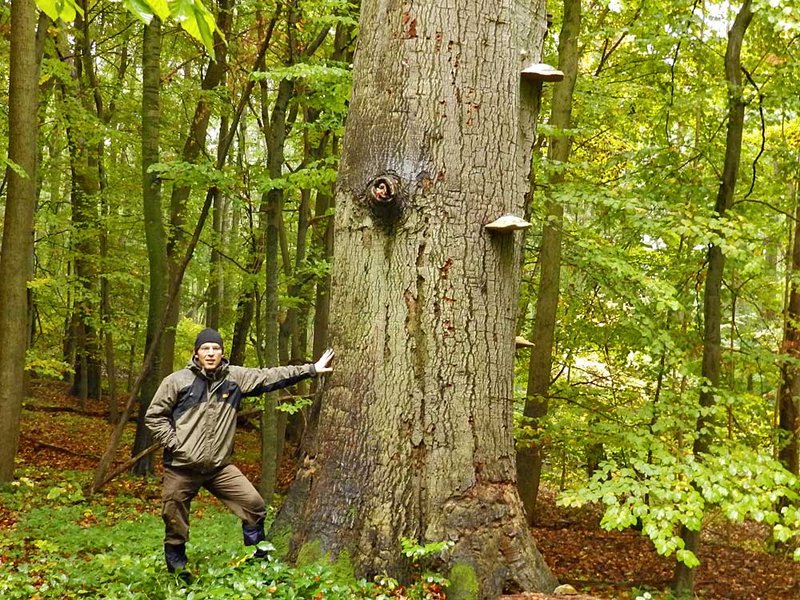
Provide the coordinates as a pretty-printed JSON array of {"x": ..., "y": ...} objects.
[
  {"x": 542, "y": 72},
  {"x": 507, "y": 223},
  {"x": 521, "y": 342}
]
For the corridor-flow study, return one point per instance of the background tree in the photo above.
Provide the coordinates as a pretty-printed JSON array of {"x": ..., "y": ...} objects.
[
  {"x": 17, "y": 226},
  {"x": 712, "y": 302},
  {"x": 529, "y": 455}
]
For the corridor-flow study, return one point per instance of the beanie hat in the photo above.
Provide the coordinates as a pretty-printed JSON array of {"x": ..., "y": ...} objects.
[{"x": 207, "y": 336}]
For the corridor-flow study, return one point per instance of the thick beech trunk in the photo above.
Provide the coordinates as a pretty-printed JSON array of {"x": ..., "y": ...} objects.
[
  {"x": 683, "y": 579},
  {"x": 529, "y": 453},
  {"x": 18, "y": 221},
  {"x": 415, "y": 435}
]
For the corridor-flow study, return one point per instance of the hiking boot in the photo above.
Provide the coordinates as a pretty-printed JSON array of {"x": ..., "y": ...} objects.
[
  {"x": 183, "y": 574},
  {"x": 253, "y": 534},
  {"x": 175, "y": 555}
]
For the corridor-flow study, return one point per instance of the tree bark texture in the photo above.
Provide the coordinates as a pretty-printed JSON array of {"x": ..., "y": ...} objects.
[
  {"x": 18, "y": 222},
  {"x": 529, "y": 453},
  {"x": 415, "y": 437},
  {"x": 683, "y": 579}
]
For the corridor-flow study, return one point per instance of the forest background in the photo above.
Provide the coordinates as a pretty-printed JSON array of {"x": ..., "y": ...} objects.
[{"x": 200, "y": 162}]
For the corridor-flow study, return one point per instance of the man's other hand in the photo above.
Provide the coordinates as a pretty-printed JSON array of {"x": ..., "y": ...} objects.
[{"x": 323, "y": 364}]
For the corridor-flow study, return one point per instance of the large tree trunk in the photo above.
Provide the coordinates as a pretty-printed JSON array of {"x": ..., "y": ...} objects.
[
  {"x": 683, "y": 579},
  {"x": 789, "y": 391},
  {"x": 529, "y": 452},
  {"x": 415, "y": 436},
  {"x": 17, "y": 227}
]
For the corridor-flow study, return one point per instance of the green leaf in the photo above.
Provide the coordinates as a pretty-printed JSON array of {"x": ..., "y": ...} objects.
[
  {"x": 160, "y": 8},
  {"x": 688, "y": 558},
  {"x": 140, "y": 9},
  {"x": 196, "y": 20}
]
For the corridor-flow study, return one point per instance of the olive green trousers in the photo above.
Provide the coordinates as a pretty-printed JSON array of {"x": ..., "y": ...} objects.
[{"x": 227, "y": 483}]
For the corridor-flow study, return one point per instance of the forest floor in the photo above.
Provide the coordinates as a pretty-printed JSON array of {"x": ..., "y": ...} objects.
[{"x": 736, "y": 563}]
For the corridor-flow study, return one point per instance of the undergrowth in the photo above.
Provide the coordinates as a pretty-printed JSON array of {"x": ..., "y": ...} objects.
[{"x": 66, "y": 546}]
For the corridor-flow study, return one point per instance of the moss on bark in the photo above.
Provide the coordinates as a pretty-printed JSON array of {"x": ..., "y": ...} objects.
[{"x": 463, "y": 582}]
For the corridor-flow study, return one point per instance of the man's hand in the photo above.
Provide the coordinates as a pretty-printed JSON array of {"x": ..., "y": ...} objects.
[{"x": 322, "y": 365}]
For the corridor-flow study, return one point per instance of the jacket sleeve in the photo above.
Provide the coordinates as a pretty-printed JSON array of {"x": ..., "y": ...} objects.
[
  {"x": 158, "y": 417},
  {"x": 253, "y": 382}
]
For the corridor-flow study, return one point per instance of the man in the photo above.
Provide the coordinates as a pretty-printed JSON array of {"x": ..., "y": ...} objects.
[{"x": 193, "y": 414}]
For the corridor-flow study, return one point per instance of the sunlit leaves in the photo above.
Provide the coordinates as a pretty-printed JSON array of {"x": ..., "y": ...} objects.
[
  {"x": 195, "y": 19},
  {"x": 191, "y": 15},
  {"x": 60, "y": 9},
  {"x": 665, "y": 491}
]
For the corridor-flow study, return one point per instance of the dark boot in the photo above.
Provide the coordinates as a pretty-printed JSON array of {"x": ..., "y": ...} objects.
[
  {"x": 253, "y": 534},
  {"x": 176, "y": 557}
]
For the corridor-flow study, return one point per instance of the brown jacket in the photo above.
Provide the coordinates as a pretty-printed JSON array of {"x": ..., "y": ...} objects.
[{"x": 193, "y": 413}]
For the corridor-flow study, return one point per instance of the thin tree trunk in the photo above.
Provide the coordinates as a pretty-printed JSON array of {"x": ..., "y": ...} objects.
[
  {"x": 155, "y": 233},
  {"x": 17, "y": 226},
  {"x": 271, "y": 208},
  {"x": 789, "y": 391},
  {"x": 176, "y": 240},
  {"x": 193, "y": 147},
  {"x": 246, "y": 304},
  {"x": 84, "y": 167},
  {"x": 683, "y": 579},
  {"x": 216, "y": 275},
  {"x": 529, "y": 453}
]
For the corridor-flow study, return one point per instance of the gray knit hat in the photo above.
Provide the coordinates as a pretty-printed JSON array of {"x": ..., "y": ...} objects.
[{"x": 207, "y": 336}]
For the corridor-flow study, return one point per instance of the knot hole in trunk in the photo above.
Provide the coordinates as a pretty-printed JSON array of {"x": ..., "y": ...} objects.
[{"x": 386, "y": 197}]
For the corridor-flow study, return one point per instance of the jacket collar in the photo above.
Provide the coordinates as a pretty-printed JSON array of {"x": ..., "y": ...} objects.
[{"x": 216, "y": 375}]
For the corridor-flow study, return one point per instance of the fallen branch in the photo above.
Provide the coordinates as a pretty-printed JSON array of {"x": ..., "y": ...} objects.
[
  {"x": 125, "y": 466},
  {"x": 70, "y": 409},
  {"x": 38, "y": 444}
]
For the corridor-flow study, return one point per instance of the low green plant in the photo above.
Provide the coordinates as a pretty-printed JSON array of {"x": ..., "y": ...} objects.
[
  {"x": 66, "y": 546},
  {"x": 426, "y": 582}
]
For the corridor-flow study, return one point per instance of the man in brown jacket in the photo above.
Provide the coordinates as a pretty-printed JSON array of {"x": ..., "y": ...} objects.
[{"x": 193, "y": 414}]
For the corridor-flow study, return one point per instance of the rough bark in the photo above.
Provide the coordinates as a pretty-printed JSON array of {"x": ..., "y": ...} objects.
[
  {"x": 683, "y": 578},
  {"x": 529, "y": 452},
  {"x": 415, "y": 437},
  {"x": 17, "y": 226}
]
